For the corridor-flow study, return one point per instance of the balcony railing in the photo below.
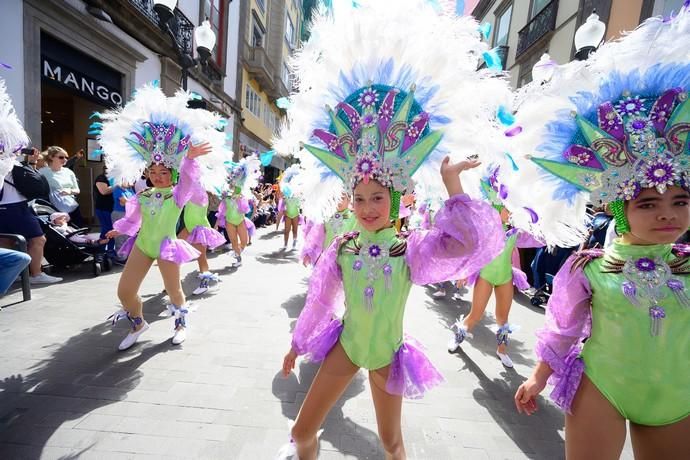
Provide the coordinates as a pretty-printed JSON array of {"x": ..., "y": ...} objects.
[
  {"x": 182, "y": 28},
  {"x": 540, "y": 25},
  {"x": 259, "y": 66}
]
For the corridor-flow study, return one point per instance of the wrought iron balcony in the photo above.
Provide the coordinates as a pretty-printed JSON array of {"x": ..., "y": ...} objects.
[
  {"x": 540, "y": 25},
  {"x": 182, "y": 28},
  {"x": 259, "y": 66}
]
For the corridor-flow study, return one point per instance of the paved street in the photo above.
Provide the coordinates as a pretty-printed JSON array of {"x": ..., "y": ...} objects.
[{"x": 65, "y": 392}]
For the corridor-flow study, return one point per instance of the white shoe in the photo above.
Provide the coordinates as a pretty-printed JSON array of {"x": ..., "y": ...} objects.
[
  {"x": 505, "y": 360},
  {"x": 439, "y": 294},
  {"x": 294, "y": 244},
  {"x": 180, "y": 336},
  {"x": 44, "y": 278},
  {"x": 132, "y": 337}
]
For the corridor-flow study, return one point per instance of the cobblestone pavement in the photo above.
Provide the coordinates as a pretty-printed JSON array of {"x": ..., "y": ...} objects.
[{"x": 65, "y": 392}]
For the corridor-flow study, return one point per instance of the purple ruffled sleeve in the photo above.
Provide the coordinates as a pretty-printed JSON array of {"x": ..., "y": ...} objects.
[
  {"x": 281, "y": 205},
  {"x": 568, "y": 321},
  {"x": 130, "y": 224},
  {"x": 220, "y": 215},
  {"x": 525, "y": 240},
  {"x": 243, "y": 205},
  {"x": 314, "y": 238},
  {"x": 466, "y": 235},
  {"x": 188, "y": 187},
  {"x": 324, "y": 299}
]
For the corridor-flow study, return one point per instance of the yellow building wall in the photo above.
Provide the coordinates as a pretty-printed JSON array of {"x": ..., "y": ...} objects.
[{"x": 252, "y": 122}]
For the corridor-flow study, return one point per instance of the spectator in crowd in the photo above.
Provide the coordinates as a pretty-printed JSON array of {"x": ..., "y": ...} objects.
[
  {"x": 121, "y": 193},
  {"x": 17, "y": 218},
  {"x": 63, "y": 184},
  {"x": 72, "y": 162},
  {"x": 11, "y": 265},
  {"x": 103, "y": 206}
]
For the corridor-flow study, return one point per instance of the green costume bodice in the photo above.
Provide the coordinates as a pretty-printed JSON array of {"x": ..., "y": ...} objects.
[
  {"x": 373, "y": 321},
  {"x": 500, "y": 270},
  {"x": 195, "y": 216},
  {"x": 233, "y": 215},
  {"x": 339, "y": 224},
  {"x": 159, "y": 216},
  {"x": 292, "y": 205},
  {"x": 638, "y": 359}
]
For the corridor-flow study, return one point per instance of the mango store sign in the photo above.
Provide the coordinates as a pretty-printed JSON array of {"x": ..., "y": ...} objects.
[{"x": 83, "y": 85}]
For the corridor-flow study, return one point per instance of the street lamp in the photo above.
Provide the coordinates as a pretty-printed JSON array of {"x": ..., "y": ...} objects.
[
  {"x": 203, "y": 36},
  {"x": 588, "y": 36},
  {"x": 543, "y": 69}
]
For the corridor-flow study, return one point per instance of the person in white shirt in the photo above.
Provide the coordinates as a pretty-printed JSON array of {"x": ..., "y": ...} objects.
[{"x": 63, "y": 183}]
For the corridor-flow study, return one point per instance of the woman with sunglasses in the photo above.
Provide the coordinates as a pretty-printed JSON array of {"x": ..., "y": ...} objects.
[{"x": 63, "y": 183}]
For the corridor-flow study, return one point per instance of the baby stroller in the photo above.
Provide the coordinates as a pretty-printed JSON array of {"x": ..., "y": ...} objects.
[
  {"x": 544, "y": 267},
  {"x": 61, "y": 252}
]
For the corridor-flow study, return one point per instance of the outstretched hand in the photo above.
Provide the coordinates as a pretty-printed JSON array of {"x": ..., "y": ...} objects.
[
  {"x": 289, "y": 362},
  {"x": 450, "y": 173},
  {"x": 199, "y": 150}
]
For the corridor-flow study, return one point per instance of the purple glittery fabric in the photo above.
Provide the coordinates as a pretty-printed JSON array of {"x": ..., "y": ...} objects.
[
  {"x": 220, "y": 215},
  {"x": 324, "y": 299},
  {"x": 130, "y": 224},
  {"x": 323, "y": 344},
  {"x": 178, "y": 251},
  {"x": 188, "y": 187},
  {"x": 411, "y": 373},
  {"x": 313, "y": 236},
  {"x": 566, "y": 383},
  {"x": 568, "y": 321},
  {"x": 466, "y": 235},
  {"x": 251, "y": 228},
  {"x": 127, "y": 247},
  {"x": 206, "y": 236}
]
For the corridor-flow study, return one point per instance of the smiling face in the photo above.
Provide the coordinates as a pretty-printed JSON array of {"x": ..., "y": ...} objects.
[
  {"x": 160, "y": 176},
  {"x": 372, "y": 205},
  {"x": 657, "y": 218}
]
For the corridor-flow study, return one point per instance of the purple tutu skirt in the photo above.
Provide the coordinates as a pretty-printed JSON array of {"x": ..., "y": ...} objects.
[
  {"x": 325, "y": 342},
  {"x": 251, "y": 228},
  {"x": 126, "y": 248},
  {"x": 411, "y": 373},
  {"x": 178, "y": 251},
  {"x": 566, "y": 381},
  {"x": 206, "y": 236}
]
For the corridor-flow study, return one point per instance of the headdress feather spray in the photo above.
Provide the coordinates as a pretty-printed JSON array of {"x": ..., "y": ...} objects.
[
  {"x": 378, "y": 101},
  {"x": 153, "y": 128},
  {"x": 605, "y": 129}
]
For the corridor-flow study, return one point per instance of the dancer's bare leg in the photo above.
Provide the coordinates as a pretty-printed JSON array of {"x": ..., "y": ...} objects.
[
  {"x": 388, "y": 415},
  {"x": 660, "y": 442},
  {"x": 170, "y": 272},
  {"x": 132, "y": 276},
  {"x": 480, "y": 299},
  {"x": 595, "y": 430},
  {"x": 330, "y": 383},
  {"x": 504, "y": 300}
]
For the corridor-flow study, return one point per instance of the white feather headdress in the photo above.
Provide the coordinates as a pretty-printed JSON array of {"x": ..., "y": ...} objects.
[
  {"x": 354, "y": 60},
  {"x": 153, "y": 128},
  {"x": 12, "y": 135},
  {"x": 243, "y": 175},
  {"x": 587, "y": 134}
]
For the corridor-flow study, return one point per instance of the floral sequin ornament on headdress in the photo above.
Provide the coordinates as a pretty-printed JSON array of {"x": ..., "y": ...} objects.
[
  {"x": 638, "y": 142},
  {"x": 378, "y": 133}
]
